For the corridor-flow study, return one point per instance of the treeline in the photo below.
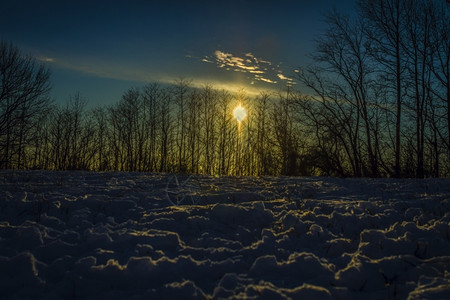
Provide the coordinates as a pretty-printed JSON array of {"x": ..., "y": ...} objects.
[
  {"x": 157, "y": 128},
  {"x": 374, "y": 103}
]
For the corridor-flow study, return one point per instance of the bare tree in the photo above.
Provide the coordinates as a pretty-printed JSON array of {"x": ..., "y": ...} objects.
[
  {"x": 152, "y": 94},
  {"x": 208, "y": 117},
  {"x": 180, "y": 93},
  {"x": 343, "y": 86},
  {"x": 224, "y": 132},
  {"x": 166, "y": 129},
  {"x": 193, "y": 131},
  {"x": 71, "y": 137},
  {"x": 440, "y": 66},
  {"x": 24, "y": 86},
  {"x": 100, "y": 119},
  {"x": 262, "y": 146},
  {"x": 418, "y": 47},
  {"x": 283, "y": 128},
  {"x": 385, "y": 28}
]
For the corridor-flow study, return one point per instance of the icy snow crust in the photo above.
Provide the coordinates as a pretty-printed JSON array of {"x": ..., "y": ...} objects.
[{"x": 117, "y": 236}]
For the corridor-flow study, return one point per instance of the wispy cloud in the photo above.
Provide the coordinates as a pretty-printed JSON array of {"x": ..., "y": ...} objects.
[
  {"x": 46, "y": 59},
  {"x": 288, "y": 80},
  {"x": 121, "y": 72},
  {"x": 230, "y": 86},
  {"x": 250, "y": 66},
  {"x": 282, "y": 77},
  {"x": 102, "y": 69},
  {"x": 207, "y": 60},
  {"x": 258, "y": 69},
  {"x": 247, "y": 64},
  {"x": 267, "y": 80}
]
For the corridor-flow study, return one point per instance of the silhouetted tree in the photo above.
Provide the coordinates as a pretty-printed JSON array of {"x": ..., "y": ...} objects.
[
  {"x": 224, "y": 132},
  {"x": 166, "y": 129},
  {"x": 385, "y": 28},
  {"x": 284, "y": 139},
  {"x": 152, "y": 97},
  {"x": 24, "y": 87},
  {"x": 439, "y": 63},
  {"x": 343, "y": 52},
  {"x": 100, "y": 124},
  {"x": 262, "y": 144},
  {"x": 180, "y": 98}
]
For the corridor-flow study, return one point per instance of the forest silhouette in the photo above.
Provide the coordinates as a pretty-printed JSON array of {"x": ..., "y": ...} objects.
[{"x": 375, "y": 102}]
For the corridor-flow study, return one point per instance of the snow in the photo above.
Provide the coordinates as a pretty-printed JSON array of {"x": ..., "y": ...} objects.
[{"x": 89, "y": 235}]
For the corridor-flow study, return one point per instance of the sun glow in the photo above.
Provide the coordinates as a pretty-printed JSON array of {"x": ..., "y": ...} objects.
[{"x": 239, "y": 113}]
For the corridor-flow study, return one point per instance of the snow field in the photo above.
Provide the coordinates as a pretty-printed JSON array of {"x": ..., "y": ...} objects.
[{"x": 92, "y": 235}]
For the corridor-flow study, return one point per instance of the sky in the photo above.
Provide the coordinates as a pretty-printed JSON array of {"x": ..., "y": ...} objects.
[{"x": 100, "y": 49}]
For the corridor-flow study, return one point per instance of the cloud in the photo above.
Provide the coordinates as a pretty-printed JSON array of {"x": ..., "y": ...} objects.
[
  {"x": 249, "y": 63},
  {"x": 46, "y": 59},
  {"x": 103, "y": 69},
  {"x": 230, "y": 86},
  {"x": 289, "y": 81},
  {"x": 267, "y": 80},
  {"x": 237, "y": 72},
  {"x": 256, "y": 69},
  {"x": 282, "y": 77},
  {"x": 227, "y": 59},
  {"x": 206, "y": 59}
]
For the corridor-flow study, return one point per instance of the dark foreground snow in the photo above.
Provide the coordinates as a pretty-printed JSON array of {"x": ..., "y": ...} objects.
[{"x": 153, "y": 236}]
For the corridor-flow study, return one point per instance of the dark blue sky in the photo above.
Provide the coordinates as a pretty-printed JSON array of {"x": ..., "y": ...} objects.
[{"x": 102, "y": 48}]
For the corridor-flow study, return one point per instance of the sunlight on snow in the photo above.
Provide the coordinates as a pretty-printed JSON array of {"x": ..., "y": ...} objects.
[{"x": 174, "y": 236}]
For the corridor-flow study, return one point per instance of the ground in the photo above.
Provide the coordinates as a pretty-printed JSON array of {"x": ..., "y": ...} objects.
[{"x": 89, "y": 235}]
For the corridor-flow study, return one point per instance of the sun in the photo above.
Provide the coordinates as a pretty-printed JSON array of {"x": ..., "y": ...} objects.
[{"x": 239, "y": 113}]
